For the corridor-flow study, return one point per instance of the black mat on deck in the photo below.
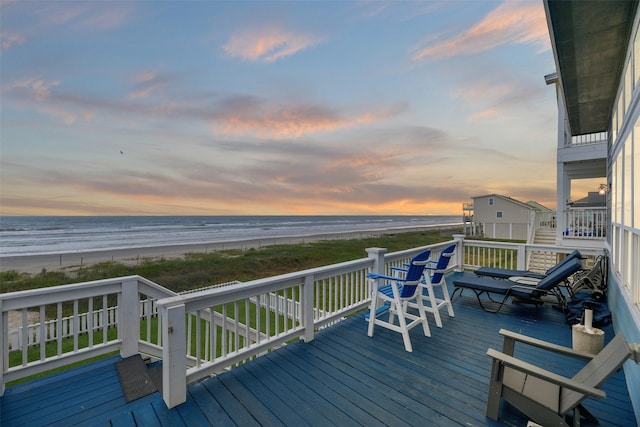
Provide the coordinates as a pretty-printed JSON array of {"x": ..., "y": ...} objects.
[{"x": 134, "y": 378}]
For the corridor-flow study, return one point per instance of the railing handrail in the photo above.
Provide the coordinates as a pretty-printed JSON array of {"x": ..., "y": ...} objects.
[
  {"x": 32, "y": 297},
  {"x": 587, "y": 208},
  {"x": 208, "y": 297}
]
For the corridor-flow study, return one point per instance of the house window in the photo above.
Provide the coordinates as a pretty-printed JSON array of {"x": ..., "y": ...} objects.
[
  {"x": 490, "y": 201},
  {"x": 499, "y": 214}
]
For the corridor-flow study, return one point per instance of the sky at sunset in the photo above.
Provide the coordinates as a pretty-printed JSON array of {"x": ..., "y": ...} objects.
[{"x": 288, "y": 107}]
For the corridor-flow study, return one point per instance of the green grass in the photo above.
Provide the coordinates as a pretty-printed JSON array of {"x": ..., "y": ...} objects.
[{"x": 203, "y": 269}]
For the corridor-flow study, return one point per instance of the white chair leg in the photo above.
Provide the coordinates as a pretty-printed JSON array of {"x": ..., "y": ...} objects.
[
  {"x": 433, "y": 305},
  {"x": 403, "y": 326},
  {"x": 447, "y": 298},
  {"x": 423, "y": 316}
]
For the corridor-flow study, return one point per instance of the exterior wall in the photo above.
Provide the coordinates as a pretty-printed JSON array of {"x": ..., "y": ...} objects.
[
  {"x": 624, "y": 202},
  {"x": 514, "y": 223},
  {"x": 623, "y": 321}
]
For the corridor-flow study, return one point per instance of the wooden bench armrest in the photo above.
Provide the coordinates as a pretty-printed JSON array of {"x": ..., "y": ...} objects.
[
  {"x": 543, "y": 374},
  {"x": 546, "y": 345}
]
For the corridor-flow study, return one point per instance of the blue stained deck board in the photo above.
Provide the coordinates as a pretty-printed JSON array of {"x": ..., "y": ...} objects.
[
  {"x": 343, "y": 377},
  {"x": 252, "y": 392},
  {"x": 254, "y": 406},
  {"x": 295, "y": 404}
]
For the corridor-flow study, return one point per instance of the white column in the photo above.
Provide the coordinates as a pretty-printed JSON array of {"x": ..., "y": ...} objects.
[
  {"x": 307, "y": 308},
  {"x": 377, "y": 254},
  {"x": 459, "y": 238},
  {"x": 4, "y": 331},
  {"x": 174, "y": 351},
  {"x": 129, "y": 318}
]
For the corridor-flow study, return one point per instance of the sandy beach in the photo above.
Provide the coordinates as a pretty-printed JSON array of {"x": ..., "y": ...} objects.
[{"x": 72, "y": 260}]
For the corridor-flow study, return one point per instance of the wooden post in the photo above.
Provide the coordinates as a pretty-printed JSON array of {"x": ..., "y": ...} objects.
[
  {"x": 459, "y": 238},
  {"x": 307, "y": 308},
  {"x": 522, "y": 257},
  {"x": 129, "y": 318},
  {"x": 4, "y": 331},
  {"x": 377, "y": 254},
  {"x": 174, "y": 351}
]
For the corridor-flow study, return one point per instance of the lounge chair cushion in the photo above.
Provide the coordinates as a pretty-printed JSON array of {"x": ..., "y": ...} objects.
[
  {"x": 506, "y": 287},
  {"x": 506, "y": 273}
]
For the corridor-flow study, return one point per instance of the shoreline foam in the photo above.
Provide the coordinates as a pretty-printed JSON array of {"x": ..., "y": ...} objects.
[{"x": 72, "y": 260}]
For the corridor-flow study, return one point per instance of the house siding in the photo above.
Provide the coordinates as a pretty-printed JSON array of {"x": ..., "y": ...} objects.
[{"x": 514, "y": 223}]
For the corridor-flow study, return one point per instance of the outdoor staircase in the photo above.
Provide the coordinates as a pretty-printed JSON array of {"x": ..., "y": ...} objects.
[
  {"x": 542, "y": 261},
  {"x": 544, "y": 236}
]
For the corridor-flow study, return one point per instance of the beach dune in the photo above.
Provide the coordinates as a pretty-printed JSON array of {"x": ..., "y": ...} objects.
[{"x": 72, "y": 260}]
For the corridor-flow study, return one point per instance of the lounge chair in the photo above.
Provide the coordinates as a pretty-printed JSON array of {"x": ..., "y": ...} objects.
[
  {"x": 593, "y": 280},
  {"x": 546, "y": 397},
  {"x": 504, "y": 273},
  {"x": 396, "y": 294},
  {"x": 528, "y": 293}
]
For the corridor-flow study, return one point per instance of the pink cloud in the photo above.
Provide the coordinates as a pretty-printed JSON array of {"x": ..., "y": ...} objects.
[
  {"x": 86, "y": 16},
  {"x": 10, "y": 39},
  {"x": 293, "y": 120},
  {"x": 268, "y": 45},
  {"x": 37, "y": 88},
  {"x": 513, "y": 22}
]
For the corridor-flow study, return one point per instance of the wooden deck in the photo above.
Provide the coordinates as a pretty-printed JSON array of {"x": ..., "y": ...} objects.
[{"x": 341, "y": 378}]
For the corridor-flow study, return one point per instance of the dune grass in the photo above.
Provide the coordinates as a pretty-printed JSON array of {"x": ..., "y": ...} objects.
[{"x": 197, "y": 270}]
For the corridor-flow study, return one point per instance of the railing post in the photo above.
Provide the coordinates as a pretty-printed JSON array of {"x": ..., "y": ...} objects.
[
  {"x": 459, "y": 238},
  {"x": 377, "y": 254},
  {"x": 129, "y": 318},
  {"x": 307, "y": 308},
  {"x": 522, "y": 257},
  {"x": 174, "y": 351},
  {"x": 4, "y": 331}
]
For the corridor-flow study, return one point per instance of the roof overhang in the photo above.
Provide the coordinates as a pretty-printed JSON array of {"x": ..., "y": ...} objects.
[{"x": 589, "y": 40}]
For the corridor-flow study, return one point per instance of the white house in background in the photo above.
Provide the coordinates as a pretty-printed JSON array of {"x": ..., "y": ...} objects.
[{"x": 502, "y": 217}]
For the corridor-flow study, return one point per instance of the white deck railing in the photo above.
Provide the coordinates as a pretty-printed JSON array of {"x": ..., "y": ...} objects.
[
  {"x": 64, "y": 332},
  {"x": 587, "y": 139},
  {"x": 201, "y": 333},
  {"x": 585, "y": 223}
]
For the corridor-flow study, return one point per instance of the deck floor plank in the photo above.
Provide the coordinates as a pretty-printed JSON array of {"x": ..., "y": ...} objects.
[
  {"x": 390, "y": 369},
  {"x": 342, "y": 377},
  {"x": 351, "y": 395},
  {"x": 337, "y": 410},
  {"x": 263, "y": 374}
]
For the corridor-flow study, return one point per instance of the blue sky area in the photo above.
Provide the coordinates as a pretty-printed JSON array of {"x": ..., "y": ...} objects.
[{"x": 273, "y": 107}]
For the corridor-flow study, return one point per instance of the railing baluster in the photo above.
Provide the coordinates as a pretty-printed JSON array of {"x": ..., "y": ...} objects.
[
  {"x": 198, "y": 339},
  {"x": 247, "y": 312},
  {"x": 24, "y": 338},
  {"x": 75, "y": 325},
  {"x": 43, "y": 332}
]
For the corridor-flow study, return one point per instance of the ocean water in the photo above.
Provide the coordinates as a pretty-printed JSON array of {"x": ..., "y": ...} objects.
[{"x": 36, "y": 235}]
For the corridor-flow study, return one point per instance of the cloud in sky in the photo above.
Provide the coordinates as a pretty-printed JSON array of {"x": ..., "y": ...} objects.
[
  {"x": 294, "y": 120},
  {"x": 268, "y": 44},
  {"x": 10, "y": 39},
  {"x": 513, "y": 22},
  {"x": 314, "y": 110}
]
